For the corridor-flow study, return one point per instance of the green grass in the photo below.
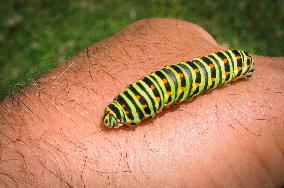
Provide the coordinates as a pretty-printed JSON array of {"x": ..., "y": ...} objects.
[{"x": 35, "y": 36}]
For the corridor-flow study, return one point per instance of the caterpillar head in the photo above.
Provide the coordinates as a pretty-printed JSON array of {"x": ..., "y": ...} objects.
[{"x": 110, "y": 119}]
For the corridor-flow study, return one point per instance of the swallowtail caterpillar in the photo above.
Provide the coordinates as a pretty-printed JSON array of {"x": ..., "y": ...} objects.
[{"x": 173, "y": 84}]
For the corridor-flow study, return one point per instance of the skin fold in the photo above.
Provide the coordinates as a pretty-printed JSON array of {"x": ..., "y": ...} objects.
[{"x": 52, "y": 133}]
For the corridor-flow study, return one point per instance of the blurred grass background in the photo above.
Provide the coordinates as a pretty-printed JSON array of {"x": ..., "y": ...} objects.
[{"x": 37, "y": 35}]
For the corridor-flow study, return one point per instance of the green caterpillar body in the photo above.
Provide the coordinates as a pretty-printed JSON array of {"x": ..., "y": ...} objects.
[{"x": 173, "y": 84}]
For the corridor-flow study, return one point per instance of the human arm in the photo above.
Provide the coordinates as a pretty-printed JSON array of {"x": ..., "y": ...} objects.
[{"x": 52, "y": 134}]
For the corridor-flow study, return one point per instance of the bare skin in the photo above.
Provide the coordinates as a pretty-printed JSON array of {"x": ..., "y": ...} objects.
[{"x": 52, "y": 135}]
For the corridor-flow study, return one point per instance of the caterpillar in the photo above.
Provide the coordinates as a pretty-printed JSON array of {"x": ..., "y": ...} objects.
[{"x": 175, "y": 83}]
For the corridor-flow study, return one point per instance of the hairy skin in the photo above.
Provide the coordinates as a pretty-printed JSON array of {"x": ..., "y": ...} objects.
[{"x": 51, "y": 134}]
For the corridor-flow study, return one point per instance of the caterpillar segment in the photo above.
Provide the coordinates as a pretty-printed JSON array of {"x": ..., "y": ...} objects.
[{"x": 175, "y": 83}]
